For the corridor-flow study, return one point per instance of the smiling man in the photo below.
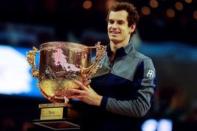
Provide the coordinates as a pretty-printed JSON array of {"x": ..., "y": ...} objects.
[
  {"x": 122, "y": 93},
  {"x": 119, "y": 31}
]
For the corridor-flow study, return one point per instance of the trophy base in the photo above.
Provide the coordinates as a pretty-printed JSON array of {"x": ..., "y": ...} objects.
[
  {"x": 57, "y": 116},
  {"x": 57, "y": 124}
]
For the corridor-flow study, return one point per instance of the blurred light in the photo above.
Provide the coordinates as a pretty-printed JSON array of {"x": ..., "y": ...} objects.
[
  {"x": 87, "y": 4},
  {"x": 157, "y": 125},
  {"x": 195, "y": 14},
  {"x": 15, "y": 73},
  {"x": 188, "y": 1},
  {"x": 109, "y": 3},
  {"x": 164, "y": 125},
  {"x": 179, "y": 6},
  {"x": 154, "y": 3},
  {"x": 14, "y": 76},
  {"x": 149, "y": 125},
  {"x": 145, "y": 10},
  {"x": 170, "y": 13}
]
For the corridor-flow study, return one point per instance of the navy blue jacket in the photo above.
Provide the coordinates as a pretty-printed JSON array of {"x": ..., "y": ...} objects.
[{"x": 127, "y": 86}]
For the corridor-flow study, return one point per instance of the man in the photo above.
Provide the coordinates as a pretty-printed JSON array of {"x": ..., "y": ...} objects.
[{"x": 122, "y": 91}]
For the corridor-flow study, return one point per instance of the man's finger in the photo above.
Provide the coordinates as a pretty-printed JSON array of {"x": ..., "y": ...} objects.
[
  {"x": 75, "y": 92},
  {"x": 80, "y": 84},
  {"x": 76, "y": 97}
]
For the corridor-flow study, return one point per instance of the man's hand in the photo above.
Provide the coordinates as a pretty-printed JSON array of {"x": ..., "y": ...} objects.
[{"x": 85, "y": 94}]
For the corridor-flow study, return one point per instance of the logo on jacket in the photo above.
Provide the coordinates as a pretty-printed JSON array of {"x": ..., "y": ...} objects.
[{"x": 150, "y": 74}]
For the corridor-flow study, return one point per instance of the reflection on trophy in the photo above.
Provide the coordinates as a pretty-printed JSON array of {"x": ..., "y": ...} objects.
[{"x": 61, "y": 64}]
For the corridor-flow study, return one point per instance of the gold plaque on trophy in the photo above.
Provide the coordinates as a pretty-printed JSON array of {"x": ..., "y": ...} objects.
[{"x": 60, "y": 65}]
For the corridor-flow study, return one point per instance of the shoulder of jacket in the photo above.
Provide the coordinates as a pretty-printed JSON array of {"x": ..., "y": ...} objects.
[{"x": 141, "y": 56}]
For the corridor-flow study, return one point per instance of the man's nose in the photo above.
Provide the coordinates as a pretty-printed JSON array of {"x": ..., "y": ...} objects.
[{"x": 114, "y": 25}]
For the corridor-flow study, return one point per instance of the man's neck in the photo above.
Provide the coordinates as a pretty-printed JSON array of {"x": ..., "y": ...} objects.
[{"x": 115, "y": 46}]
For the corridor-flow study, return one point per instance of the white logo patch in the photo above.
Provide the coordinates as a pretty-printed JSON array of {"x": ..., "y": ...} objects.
[{"x": 150, "y": 74}]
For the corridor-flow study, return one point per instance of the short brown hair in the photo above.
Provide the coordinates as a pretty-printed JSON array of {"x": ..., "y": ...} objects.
[{"x": 133, "y": 16}]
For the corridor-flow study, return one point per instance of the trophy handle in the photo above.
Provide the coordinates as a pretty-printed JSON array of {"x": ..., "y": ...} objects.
[
  {"x": 31, "y": 60},
  {"x": 88, "y": 72}
]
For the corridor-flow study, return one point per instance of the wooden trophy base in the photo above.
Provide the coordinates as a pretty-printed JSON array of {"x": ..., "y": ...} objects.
[{"x": 57, "y": 116}]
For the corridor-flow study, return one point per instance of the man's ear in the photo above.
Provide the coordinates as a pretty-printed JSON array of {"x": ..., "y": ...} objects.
[{"x": 132, "y": 28}]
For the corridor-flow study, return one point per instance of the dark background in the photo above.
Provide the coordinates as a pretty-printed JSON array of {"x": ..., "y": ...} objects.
[{"x": 65, "y": 16}]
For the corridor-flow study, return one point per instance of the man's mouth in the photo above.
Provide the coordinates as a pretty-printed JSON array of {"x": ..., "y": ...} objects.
[{"x": 114, "y": 32}]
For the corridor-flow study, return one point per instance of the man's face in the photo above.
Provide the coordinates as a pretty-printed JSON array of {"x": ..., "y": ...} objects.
[{"x": 118, "y": 30}]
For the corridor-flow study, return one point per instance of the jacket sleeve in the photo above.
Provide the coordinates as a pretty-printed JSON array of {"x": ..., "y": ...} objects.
[{"x": 139, "y": 106}]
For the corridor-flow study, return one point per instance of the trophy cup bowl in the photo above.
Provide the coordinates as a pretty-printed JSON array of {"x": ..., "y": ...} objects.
[{"x": 61, "y": 64}]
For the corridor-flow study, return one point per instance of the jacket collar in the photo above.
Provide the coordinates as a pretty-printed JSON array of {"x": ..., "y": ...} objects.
[{"x": 121, "y": 51}]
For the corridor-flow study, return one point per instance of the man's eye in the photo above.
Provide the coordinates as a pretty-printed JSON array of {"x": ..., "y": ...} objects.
[
  {"x": 111, "y": 21},
  {"x": 120, "y": 22}
]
